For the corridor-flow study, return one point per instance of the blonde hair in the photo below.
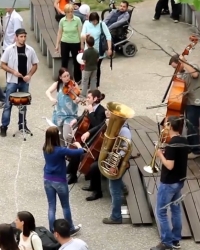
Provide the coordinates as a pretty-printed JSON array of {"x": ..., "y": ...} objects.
[{"x": 68, "y": 8}]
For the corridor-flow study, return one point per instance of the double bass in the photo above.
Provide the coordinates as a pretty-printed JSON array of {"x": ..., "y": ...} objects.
[{"x": 176, "y": 92}]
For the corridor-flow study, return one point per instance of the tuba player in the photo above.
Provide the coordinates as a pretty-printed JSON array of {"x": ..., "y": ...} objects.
[{"x": 115, "y": 186}]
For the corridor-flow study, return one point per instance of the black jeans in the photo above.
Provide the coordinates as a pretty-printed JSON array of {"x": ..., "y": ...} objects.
[
  {"x": 74, "y": 48},
  {"x": 58, "y": 16},
  {"x": 95, "y": 177},
  {"x": 73, "y": 165},
  {"x": 99, "y": 72},
  {"x": 2, "y": 96},
  {"x": 161, "y": 4},
  {"x": 176, "y": 10},
  {"x": 193, "y": 116}
]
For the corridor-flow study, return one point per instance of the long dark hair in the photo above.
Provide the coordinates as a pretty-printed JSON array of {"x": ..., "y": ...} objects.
[
  {"x": 29, "y": 222},
  {"x": 96, "y": 93},
  {"x": 7, "y": 238},
  {"x": 52, "y": 139},
  {"x": 60, "y": 72}
]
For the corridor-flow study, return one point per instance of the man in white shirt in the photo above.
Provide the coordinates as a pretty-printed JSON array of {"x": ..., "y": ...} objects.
[
  {"x": 62, "y": 234},
  {"x": 12, "y": 22},
  {"x": 20, "y": 61}
]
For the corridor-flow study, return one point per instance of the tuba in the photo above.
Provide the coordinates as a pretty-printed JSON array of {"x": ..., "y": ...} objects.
[{"x": 115, "y": 150}]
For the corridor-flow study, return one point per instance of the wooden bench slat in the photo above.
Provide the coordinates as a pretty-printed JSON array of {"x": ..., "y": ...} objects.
[
  {"x": 136, "y": 125},
  {"x": 47, "y": 18},
  {"x": 140, "y": 194},
  {"x": 39, "y": 16},
  {"x": 35, "y": 2},
  {"x": 191, "y": 211},
  {"x": 131, "y": 200},
  {"x": 146, "y": 124}
]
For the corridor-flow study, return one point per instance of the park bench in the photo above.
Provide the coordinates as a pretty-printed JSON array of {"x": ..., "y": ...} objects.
[
  {"x": 191, "y": 16},
  {"x": 45, "y": 27}
]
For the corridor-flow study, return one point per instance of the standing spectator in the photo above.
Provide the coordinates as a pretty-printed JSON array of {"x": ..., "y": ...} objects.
[
  {"x": 29, "y": 239},
  {"x": 13, "y": 21},
  {"x": 162, "y": 8},
  {"x": 55, "y": 171},
  {"x": 90, "y": 59},
  {"x": 93, "y": 28},
  {"x": 69, "y": 39},
  {"x": 20, "y": 61},
  {"x": 62, "y": 234}
]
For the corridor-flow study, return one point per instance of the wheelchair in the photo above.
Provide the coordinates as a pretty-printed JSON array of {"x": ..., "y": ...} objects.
[{"x": 121, "y": 37}]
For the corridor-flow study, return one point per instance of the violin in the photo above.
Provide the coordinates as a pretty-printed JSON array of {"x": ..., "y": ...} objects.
[
  {"x": 72, "y": 90},
  {"x": 176, "y": 91},
  {"x": 94, "y": 148}
]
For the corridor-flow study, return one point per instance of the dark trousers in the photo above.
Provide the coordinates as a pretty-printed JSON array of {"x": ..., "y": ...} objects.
[
  {"x": 193, "y": 116},
  {"x": 58, "y": 16},
  {"x": 74, "y": 48},
  {"x": 161, "y": 4},
  {"x": 99, "y": 72},
  {"x": 95, "y": 177},
  {"x": 176, "y": 10},
  {"x": 73, "y": 165},
  {"x": 2, "y": 96}
]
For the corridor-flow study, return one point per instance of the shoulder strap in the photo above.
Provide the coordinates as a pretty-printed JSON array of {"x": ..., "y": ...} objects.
[
  {"x": 32, "y": 241},
  {"x": 101, "y": 26}
]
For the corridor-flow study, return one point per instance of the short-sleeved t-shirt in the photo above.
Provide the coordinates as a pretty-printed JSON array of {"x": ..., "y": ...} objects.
[
  {"x": 90, "y": 56},
  {"x": 74, "y": 244},
  {"x": 70, "y": 32},
  {"x": 193, "y": 87},
  {"x": 176, "y": 151}
]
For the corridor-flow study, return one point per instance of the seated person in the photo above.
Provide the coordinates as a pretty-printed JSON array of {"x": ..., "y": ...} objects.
[
  {"x": 95, "y": 174},
  {"x": 117, "y": 18},
  {"x": 59, "y": 7}
]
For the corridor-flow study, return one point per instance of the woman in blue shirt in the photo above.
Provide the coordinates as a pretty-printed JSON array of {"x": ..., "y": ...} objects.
[
  {"x": 65, "y": 109},
  {"x": 92, "y": 27},
  {"x": 55, "y": 171}
]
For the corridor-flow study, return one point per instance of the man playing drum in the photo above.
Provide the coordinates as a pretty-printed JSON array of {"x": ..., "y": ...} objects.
[{"x": 20, "y": 62}]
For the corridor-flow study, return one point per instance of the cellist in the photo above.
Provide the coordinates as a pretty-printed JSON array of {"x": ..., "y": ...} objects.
[
  {"x": 96, "y": 115},
  {"x": 192, "y": 111}
]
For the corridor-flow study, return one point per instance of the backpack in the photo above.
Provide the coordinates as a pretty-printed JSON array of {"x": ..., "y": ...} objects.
[{"x": 49, "y": 242}]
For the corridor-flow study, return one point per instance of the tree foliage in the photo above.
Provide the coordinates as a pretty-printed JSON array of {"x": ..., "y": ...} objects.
[{"x": 196, "y": 3}]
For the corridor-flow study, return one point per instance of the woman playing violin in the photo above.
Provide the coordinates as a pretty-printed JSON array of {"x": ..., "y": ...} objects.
[
  {"x": 65, "y": 109},
  {"x": 96, "y": 115}
]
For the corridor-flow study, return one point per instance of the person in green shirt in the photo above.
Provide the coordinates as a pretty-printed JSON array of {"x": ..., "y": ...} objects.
[{"x": 68, "y": 39}]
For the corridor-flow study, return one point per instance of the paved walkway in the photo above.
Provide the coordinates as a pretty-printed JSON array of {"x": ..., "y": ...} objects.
[{"x": 130, "y": 82}]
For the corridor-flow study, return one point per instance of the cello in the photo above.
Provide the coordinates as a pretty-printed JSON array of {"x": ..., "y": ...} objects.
[{"x": 92, "y": 154}]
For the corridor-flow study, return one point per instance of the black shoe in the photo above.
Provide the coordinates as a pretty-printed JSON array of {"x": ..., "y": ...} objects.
[
  {"x": 125, "y": 191},
  {"x": 76, "y": 230},
  {"x": 26, "y": 130},
  {"x": 162, "y": 246},
  {"x": 87, "y": 189},
  {"x": 94, "y": 196},
  {"x": 111, "y": 221},
  {"x": 176, "y": 245},
  {"x": 72, "y": 179},
  {"x": 3, "y": 131}
]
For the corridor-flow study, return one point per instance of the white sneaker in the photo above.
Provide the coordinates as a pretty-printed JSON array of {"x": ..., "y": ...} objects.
[
  {"x": 193, "y": 156},
  {"x": 176, "y": 21},
  {"x": 76, "y": 230}
]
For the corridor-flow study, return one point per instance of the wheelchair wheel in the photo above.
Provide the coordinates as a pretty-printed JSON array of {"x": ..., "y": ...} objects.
[
  {"x": 104, "y": 13},
  {"x": 129, "y": 49}
]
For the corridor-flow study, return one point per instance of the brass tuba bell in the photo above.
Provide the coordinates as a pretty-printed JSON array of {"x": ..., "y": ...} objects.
[{"x": 111, "y": 155}]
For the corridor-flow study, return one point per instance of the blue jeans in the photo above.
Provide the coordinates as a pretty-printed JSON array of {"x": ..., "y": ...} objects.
[
  {"x": 193, "y": 116},
  {"x": 166, "y": 194},
  {"x": 61, "y": 189},
  {"x": 11, "y": 88},
  {"x": 115, "y": 187}
]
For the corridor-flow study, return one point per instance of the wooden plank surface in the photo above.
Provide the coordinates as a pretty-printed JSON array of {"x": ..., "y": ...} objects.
[
  {"x": 131, "y": 200},
  {"x": 140, "y": 195}
]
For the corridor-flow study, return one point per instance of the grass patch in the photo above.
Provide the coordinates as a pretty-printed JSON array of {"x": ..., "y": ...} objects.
[{"x": 94, "y": 5}]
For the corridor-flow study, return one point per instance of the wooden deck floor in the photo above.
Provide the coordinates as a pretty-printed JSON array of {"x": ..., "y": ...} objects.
[{"x": 144, "y": 132}]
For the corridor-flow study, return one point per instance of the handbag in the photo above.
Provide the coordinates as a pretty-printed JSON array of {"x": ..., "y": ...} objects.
[{"x": 103, "y": 45}]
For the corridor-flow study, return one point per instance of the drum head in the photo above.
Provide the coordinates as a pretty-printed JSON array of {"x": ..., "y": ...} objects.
[{"x": 20, "y": 94}]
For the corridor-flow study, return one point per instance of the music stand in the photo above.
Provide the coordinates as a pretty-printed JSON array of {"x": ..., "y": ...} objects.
[{"x": 22, "y": 131}]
